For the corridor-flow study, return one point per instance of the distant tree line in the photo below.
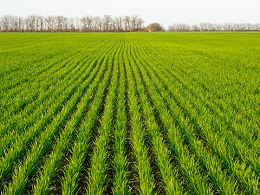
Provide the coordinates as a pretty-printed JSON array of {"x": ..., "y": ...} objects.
[
  {"x": 107, "y": 23},
  {"x": 182, "y": 27},
  {"x": 37, "y": 23}
]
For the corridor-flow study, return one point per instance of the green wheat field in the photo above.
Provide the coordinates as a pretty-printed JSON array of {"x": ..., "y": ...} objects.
[{"x": 129, "y": 113}]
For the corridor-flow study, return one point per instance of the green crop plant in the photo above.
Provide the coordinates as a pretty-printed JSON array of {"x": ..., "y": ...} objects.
[{"x": 130, "y": 113}]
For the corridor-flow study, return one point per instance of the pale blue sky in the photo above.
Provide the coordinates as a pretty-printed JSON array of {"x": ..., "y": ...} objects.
[{"x": 165, "y": 12}]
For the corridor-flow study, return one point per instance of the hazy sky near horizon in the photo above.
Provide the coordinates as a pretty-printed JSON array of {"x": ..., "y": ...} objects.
[{"x": 165, "y": 12}]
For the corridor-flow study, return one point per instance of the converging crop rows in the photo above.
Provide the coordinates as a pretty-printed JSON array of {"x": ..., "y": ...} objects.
[{"x": 133, "y": 113}]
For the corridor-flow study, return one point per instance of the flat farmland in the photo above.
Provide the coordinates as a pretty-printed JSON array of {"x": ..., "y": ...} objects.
[{"x": 129, "y": 113}]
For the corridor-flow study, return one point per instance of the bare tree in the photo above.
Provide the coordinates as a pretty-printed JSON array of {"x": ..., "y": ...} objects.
[
  {"x": 41, "y": 23},
  {"x": 195, "y": 28},
  {"x": 95, "y": 23},
  {"x": 84, "y": 23},
  {"x": 20, "y": 24},
  {"x": 106, "y": 22},
  {"x": 112, "y": 26},
  {"x": 14, "y": 23},
  {"x": 89, "y": 23},
  {"x": 134, "y": 22},
  {"x": 30, "y": 23},
  {"x": 71, "y": 25},
  {"x": 34, "y": 22},
  {"x": 99, "y": 23},
  {"x": 60, "y": 23},
  {"x": 49, "y": 22},
  {"x": 5, "y": 21},
  {"x": 118, "y": 22},
  {"x": 77, "y": 24},
  {"x": 38, "y": 22},
  {"x": 127, "y": 23},
  {"x": 139, "y": 24}
]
